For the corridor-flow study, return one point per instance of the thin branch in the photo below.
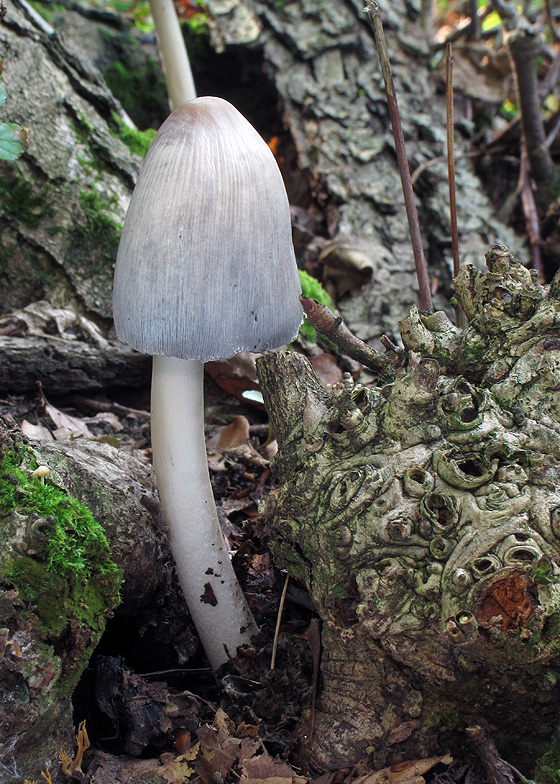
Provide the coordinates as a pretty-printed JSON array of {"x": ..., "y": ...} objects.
[
  {"x": 553, "y": 133},
  {"x": 451, "y": 158},
  {"x": 426, "y": 14},
  {"x": 460, "y": 318},
  {"x": 505, "y": 10},
  {"x": 416, "y": 174},
  {"x": 498, "y": 770},
  {"x": 550, "y": 21},
  {"x": 278, "y": 622},
  {"x": 464, "y": 28},
  {"x": 332, "y": 327},
  {"x": 424, "y": 294},
  {"x": 530, "y": 212},
  {"x": 475, "y": 28},
  {"x": 523, "y": 46}
]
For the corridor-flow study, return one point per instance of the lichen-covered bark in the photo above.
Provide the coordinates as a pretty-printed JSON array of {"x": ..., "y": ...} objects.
[
  {"x": 423, "y": 516},
  {"x": 324, "y": 66},
  {"x": 62, "y": 204}
]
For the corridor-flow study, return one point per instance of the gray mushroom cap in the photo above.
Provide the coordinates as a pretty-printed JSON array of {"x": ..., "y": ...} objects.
[{"x": 206, "y": 265}]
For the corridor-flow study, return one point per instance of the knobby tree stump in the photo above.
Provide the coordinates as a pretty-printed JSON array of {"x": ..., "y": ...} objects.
[{"x": 424, "y": 518}]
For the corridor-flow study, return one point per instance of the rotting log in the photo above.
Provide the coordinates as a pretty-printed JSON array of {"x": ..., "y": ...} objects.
[{"x": 424, "y": 518}]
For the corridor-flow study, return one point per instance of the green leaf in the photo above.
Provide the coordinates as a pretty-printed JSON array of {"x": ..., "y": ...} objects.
[
  {"x": 2, "y": 95},
  {"x": 10, "y": 149},
  {"x": 492, "y": 20}
]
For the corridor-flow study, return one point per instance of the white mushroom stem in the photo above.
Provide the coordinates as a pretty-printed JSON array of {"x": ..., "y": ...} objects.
[
  {"x": 215, "y": 600},
  {"x": 178, "y": 74}
]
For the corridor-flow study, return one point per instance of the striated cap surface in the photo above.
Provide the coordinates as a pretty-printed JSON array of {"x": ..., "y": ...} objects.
[{"x": 206, "y": 265}]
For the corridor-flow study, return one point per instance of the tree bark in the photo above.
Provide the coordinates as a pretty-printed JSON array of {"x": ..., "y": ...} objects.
[
  {"x": 325, "y": 70},
  {"x": 63, "y": 202}
]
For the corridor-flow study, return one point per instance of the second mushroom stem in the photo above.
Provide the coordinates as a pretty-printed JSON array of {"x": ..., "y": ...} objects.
[{"x": 218, "y": 608}]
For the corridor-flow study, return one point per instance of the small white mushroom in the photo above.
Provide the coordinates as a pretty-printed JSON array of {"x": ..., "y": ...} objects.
[
  {"x": 205, "y": 269},
  {"x": 41, "y": 472}
]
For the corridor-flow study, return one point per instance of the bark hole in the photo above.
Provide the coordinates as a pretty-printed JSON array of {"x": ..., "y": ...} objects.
[{"x": 507, "y": 603}]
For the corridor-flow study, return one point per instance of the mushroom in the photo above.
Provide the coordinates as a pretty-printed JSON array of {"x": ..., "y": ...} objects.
[{"x": 205, "y": 269}]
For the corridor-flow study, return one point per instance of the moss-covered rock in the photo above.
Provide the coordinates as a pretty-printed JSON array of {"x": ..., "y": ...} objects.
[
  {"x": 75, "y": 542},
  {"x": 58, "y": 583}
]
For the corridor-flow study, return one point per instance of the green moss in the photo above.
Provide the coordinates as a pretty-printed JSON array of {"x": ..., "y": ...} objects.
[
  {"x": 548, "y": 766},
  {"x": 145, "y": 79},
  {"x": 198, "y": 24},
  {"x": 64, "y": 568},
  {"x": 101, "y": 232},
  {"x": 447, "y": 718},
  {"x": 20, "y": 202},
  {"x": 137, "y": 141},
  {"x": 47, "y": 11},
  {"x": 82, "y": 129},
  {"x": 312, "y": 289}
]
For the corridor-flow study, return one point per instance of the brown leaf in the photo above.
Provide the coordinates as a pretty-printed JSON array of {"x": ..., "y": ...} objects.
[
  {"x": 67, "y": 427},
  {"x": 219, "y": 749},
  {"x": 265, "y": 767},
  {"x": 404, "y": 772},
  {"x": 230, "y": 436},
  {"x": 326, "y": 368},
  {"x": 236, "y": 375},
  {"x": 347, "y": 264},
  {"x": 182, "y": 740},
  {"x": 180, "y": 769},
  {"x": 36, "y": 432}
]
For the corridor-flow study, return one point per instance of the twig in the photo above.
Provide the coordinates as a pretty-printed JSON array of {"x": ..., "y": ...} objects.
[
  {"x": 108, "y": 405},
  {"x": 505, "y": 10},
  {"x": 464, "y": 28},
  {"x": 553, "y": 133},
  {"x": 523, "y": 47},
  {"x": 332, "y": 327},
  {"x": 278, "y": 622},
  {"x": 530, "y": 212},
  {"x": 443, "y": 159},
  {"x": 550, "y": 21},
  {"x": 475, "y": 28},
  {"x": 451, "y": 158},
  {"x": 498, "y": 771},
  {"x": 426, "y": 13},
  {"x": 424, "y": 294},
  {"x": 460, "y": 318}
]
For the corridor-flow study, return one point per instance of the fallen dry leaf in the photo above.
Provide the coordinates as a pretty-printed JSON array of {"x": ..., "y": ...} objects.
[
  {"x": 405, "y": 772},
  {"x": 326, "y": 368},
  {"x": 264, "y": 768},
  {"x": 67, "y": 426},
  {"x": 105, "y": 416},
  {"x": 36, "y": 432},
  {"x": 180, "y": 769},
  {"x": 236, "y": 375},
  {"x": 230, "y": 436}
]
